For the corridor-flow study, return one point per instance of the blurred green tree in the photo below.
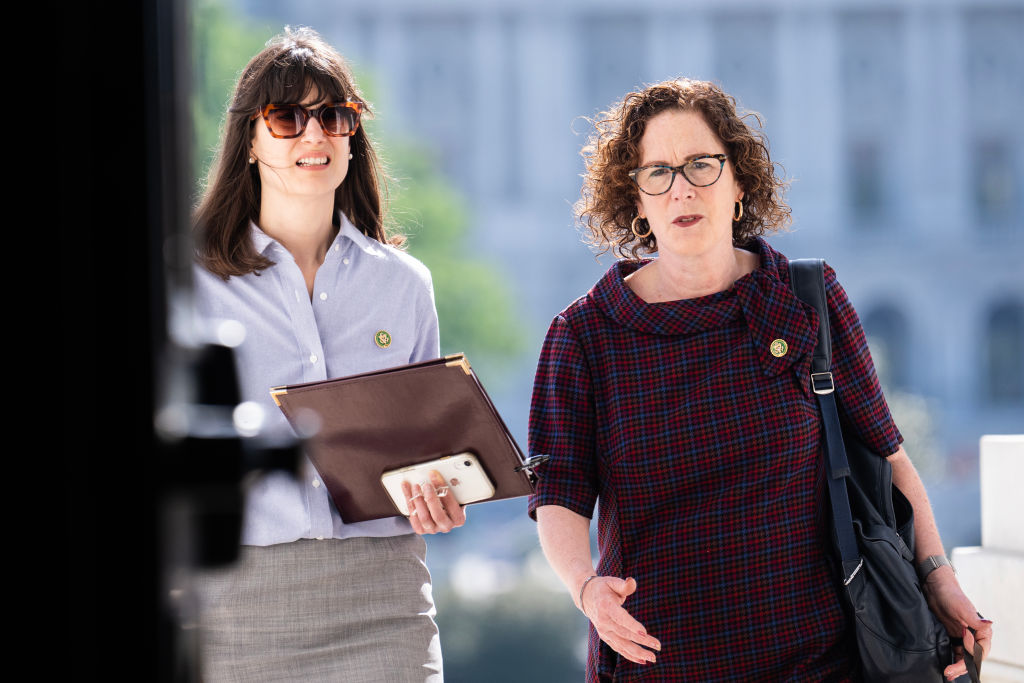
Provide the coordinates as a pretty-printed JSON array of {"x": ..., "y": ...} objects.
[
  {"x": 474, "y": 302},
  {"x": 222, "y": 44}
]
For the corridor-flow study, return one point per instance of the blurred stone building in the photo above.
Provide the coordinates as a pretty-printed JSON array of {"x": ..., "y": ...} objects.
[{"x": 899, "y": 124}]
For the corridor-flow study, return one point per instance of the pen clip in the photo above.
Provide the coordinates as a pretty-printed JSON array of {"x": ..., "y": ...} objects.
[{"x": 530, "y": 463}]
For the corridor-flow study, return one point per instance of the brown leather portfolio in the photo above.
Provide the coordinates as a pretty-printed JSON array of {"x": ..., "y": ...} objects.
[{"x": 358, "y": 427}]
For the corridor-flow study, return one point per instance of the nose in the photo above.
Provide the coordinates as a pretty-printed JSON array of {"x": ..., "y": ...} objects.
[
  {"x": 313, "y": 130},
  {"x": 680, "y": 187}
]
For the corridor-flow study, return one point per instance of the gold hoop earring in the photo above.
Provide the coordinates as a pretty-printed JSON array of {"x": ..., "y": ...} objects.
[
  {"x": 632, "y": 226},
  {"x": 736, "y": 217}
]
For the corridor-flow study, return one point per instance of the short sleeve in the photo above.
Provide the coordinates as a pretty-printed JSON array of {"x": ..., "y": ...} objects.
[
  {"x": 861, "y": 403},
  {"x": 562, "y": 424},
  {"x": 428, "y": 337}
]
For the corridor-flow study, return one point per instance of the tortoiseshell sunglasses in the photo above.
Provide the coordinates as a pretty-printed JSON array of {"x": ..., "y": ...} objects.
[{"x": 340, "y": 119}]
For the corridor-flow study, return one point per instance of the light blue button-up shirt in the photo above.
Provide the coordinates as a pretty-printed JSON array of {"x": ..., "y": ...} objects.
[{"x": 362, "y": 287}]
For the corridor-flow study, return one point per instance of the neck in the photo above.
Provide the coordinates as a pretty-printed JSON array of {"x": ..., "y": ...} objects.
[
  {"x": 691, "y": 276},
  {"x": 305, "y": 229}
]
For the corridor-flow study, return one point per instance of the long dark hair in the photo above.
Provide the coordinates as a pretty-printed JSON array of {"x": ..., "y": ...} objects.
[{"x": 293, "y": 65}]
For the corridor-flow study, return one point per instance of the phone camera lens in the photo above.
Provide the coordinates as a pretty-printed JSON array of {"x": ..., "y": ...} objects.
[{"x": 467, "y": 463}]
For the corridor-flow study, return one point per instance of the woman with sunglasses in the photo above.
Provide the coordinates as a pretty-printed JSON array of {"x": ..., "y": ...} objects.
[
  {"x": 677, "y": 394},
  {"x": 292, "y": 243}
]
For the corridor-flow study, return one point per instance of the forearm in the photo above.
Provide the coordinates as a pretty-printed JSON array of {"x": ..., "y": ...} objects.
[
  {"x": 941, "y": 588},
  {"x": 906, "y": 479},
  {"x": 565, "y": 539}
]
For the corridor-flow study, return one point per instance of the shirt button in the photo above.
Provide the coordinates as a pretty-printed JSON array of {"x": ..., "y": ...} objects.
[
  {"x": 345, "y": 261},
  {"x": 323, "y": 296},
  {"x": 312, "y": 358},
  {"x": 337, "y": 247},
  {"x": 316, "y": 483}
]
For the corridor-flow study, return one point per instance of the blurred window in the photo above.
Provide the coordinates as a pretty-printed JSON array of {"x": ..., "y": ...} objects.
[
  {"x": 995, "y": 64},
  {"x": 886, "y": 330},
  {"x": 440, "y": 88},
  {"x": 996, "y": 184},
  {"x": 873, "y": 87},
  {"x": 614, "y": 55},
  {"x": 507, "y": 131},
  {"x": 872, "y": 69},
  {"x": 866, "y": 182},
  {"x": 1004, "y": 356},
  {"x": 745, "y": 60}
]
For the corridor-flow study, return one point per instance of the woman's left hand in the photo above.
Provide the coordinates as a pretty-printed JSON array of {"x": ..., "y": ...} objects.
[
  {"x": 957, "y": 614},
  {"x": 430, "y": 513}
]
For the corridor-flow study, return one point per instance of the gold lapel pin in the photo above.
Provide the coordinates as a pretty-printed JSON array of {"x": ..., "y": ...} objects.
[
  {"x": 779, "y": 348},
  {"x": 382, "y": 338}
]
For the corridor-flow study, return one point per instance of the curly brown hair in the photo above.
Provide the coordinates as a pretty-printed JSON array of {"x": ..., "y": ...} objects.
[{"x": 609, "y": 196}]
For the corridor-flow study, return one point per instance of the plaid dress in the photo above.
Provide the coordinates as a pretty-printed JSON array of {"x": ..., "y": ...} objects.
[{"x": 702, "y": 449}]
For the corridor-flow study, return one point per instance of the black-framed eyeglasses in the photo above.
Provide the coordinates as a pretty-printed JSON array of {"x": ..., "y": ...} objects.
[
  {"x": 340, "y": 119},
  {"x": 699, "y": 172}
]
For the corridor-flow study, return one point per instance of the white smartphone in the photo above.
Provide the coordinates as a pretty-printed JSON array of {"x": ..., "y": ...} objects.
[{"x": 466, "y": 479}]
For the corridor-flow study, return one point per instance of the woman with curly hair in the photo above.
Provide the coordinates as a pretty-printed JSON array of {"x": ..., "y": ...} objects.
[{"x": 677, "y": 394}]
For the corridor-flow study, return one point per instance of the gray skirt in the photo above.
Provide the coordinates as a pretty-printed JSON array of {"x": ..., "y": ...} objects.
[{"x": 357, "y": 609}]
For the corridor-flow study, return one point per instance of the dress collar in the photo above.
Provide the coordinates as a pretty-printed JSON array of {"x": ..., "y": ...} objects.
[{"x": 762, "y": 301}]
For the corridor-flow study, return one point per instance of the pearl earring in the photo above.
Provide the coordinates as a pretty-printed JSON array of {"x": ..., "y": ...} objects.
[{"x": 350, "y": 155}]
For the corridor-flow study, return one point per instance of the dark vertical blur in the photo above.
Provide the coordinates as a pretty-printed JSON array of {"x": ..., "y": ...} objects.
[
  {"x": 121, "y": 206},
  {"x": 103, "y": 535},
  {"x": 166, "y": 97}
]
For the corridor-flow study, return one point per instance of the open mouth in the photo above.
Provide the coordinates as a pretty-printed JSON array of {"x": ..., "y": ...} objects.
[
  {"x": 686, "y": 221},
  {"x": 313, "y": 161}
]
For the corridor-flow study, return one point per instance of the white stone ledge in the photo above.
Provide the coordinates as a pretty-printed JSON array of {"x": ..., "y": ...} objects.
[
  {"x": 1002, "y": 476},
  {"x": 997, "y": 672},
  {"x": 994, "y": 581}
]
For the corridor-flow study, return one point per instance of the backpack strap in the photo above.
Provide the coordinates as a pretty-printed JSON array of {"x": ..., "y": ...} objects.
[{"x": 807, "y": 278}]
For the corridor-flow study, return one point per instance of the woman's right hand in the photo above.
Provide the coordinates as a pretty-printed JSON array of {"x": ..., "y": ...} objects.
[
  {"x": 430, "y": 513},
  {"x": 601, "y": 602}
]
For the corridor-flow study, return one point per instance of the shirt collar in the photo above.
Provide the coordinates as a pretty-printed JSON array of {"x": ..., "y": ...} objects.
[
  {"x": 761, "y": 300},
  {"x": 354, "y": 235},
  {"x": 261, "y": 241},
  {"x": 783, "y": 329}
]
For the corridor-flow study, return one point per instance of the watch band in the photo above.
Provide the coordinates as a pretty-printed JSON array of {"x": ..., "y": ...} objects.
[{"x": 930, "y": 564}]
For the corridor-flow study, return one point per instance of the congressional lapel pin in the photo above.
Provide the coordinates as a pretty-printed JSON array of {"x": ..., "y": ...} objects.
[
  {"x": 382, "y": 338},
  {"x": 779, "y": 348}
]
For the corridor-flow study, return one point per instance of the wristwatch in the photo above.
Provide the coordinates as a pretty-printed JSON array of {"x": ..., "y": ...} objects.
[{"x": 930, "y": 564}]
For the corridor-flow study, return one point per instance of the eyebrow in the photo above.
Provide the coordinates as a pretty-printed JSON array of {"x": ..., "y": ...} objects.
[{"x": 686, "y": 159}]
